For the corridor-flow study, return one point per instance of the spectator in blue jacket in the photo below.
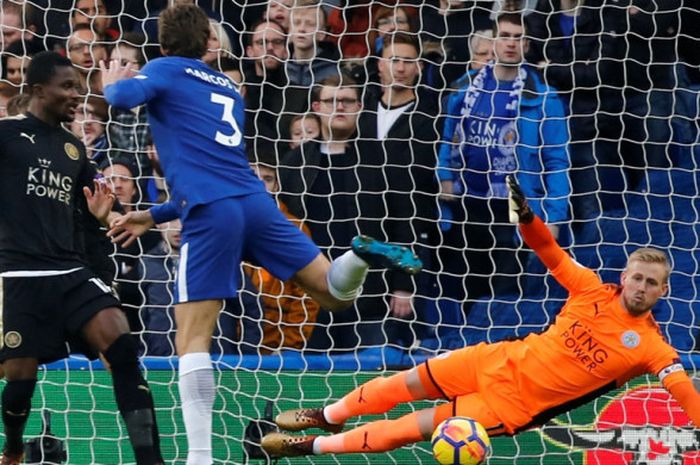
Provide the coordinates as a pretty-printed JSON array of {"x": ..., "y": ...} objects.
[{"x": 503, "y": 120}]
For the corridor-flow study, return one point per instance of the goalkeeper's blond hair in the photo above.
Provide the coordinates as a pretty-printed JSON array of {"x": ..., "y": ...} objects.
[{"x": 651, "y": 255}]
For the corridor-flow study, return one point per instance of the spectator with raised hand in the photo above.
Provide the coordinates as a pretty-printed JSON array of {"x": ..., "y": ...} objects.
[
  {"x": 505, "y": 120},
  {"x": 86, "y": 48},
  {"x": 313, "y": 58},
  {"x": 401, "y": 134}
]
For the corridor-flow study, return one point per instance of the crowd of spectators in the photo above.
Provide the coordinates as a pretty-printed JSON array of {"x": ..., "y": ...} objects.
[{"x": 399, "y": 120}]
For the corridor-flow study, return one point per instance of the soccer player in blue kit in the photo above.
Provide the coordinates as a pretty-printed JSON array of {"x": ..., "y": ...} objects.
[{"x": 196, "y": 118}]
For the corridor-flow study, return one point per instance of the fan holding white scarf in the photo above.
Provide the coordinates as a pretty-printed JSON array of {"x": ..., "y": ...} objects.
[{"x": 503, "y": 120}]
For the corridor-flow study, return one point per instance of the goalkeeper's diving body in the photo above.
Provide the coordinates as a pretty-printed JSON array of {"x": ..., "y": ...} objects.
[
  {"x": 604, "y": 336},
  {"x": 197, "y": 116}
]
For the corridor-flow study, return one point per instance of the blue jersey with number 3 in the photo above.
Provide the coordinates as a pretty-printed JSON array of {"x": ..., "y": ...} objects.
[{"x": 196, "y": 117}]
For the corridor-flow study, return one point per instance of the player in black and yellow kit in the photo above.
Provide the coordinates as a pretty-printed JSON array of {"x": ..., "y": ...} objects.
[{"x": 50, "y": 203}]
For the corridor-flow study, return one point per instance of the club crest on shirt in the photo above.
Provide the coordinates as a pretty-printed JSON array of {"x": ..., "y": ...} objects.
[
  {"x": 13, "y": 339},
  {"x": 630, "y": 339},
  {"x": 508, "y": 138},
  {"x": 71, "y": 151}
]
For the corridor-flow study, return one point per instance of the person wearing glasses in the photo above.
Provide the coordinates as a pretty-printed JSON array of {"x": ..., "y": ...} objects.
[
  {"x": 336, "y": 184},
  {"x": 270, "y": 101},
  {"x": 86, "y": 48},
  {"x": 386, "y": 20}
]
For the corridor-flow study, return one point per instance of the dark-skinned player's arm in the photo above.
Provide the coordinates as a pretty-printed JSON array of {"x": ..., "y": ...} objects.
[{"x": 567, "y": 272}]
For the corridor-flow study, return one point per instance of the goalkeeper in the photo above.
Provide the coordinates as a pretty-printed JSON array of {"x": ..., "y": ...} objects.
[{"x": 604, "y": 336}]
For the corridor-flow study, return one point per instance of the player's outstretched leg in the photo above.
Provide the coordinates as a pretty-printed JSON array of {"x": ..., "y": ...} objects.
[
  {"x": 377, "y": 395},
  {"x": 377, "y": 436},
  {"x": 336, "y": 285},
  {"x": 347, "y": 273},
  {"x": 380, "y": 254},
  {"x": 305, "y": 418}
]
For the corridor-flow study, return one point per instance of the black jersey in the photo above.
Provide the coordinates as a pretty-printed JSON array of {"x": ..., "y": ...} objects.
[{"x": 42, "y": 207}]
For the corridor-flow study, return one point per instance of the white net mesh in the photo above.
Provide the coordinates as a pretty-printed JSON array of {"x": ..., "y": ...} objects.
[{"x": 601, "y": 129}]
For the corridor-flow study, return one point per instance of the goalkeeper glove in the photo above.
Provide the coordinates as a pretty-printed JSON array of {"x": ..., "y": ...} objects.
[{"x": 518, "y": 209}]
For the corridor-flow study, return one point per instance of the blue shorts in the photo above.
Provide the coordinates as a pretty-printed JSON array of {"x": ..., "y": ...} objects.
[{"x": 217, "y": 236}]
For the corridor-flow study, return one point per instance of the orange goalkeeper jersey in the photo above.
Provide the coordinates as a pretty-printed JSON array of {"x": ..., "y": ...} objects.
[{"x": 593, "y": 346}]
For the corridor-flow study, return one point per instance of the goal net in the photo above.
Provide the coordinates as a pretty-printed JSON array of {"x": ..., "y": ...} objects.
[{"x": 411, "y": 146}]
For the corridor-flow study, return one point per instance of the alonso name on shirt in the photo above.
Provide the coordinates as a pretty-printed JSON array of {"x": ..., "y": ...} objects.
[{"x": 46, "y": 183}]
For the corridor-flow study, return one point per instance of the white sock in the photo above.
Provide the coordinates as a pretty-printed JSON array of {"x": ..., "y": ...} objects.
[
  {"x": 346, "y": 275},
  {"x": 197, "y": 396},
  {"x": 317, "y": 446}
]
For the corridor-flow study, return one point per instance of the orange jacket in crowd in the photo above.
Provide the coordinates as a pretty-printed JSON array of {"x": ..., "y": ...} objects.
[{"x": 289, "y": 314}]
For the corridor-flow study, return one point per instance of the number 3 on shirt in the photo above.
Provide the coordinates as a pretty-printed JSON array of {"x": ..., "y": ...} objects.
[{"x": 223, "y": 139}]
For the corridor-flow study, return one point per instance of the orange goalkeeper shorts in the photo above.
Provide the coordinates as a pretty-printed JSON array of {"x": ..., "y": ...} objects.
[{"x": 477, "y": 380}]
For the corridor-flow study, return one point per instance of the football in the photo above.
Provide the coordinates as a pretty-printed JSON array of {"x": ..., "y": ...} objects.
[{"x": 460, "y": 441}]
